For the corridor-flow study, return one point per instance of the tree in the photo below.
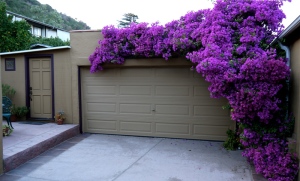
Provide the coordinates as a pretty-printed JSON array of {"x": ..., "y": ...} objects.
[
  {"x": 127, "y": 20},
  {"x": 44, "y": 13},
  {"x": 52, "y": 17},
  {"x": 15, "y": 35}
]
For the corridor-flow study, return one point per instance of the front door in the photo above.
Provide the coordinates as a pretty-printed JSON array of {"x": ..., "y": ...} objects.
[{"x": 40, "y": 87}]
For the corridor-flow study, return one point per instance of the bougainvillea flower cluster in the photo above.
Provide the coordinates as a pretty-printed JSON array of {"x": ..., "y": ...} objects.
[{"x": 229, "y": 46}]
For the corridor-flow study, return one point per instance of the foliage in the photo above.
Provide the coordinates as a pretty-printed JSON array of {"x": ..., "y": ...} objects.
[
  {"x": 52, "y": 17},
  {"x": 229, "y": 46},
  {"x": 14, "y": 35},
  {"x": 273, "y": 161},
  {"x": 44, "y": 13},
  {"x": 19, "y": 111},
  {"x": 49, "y": 41},
  {"x": 127, "y": 20},
  {"x": 60, "y": 115},
  {"x": 140, "y": 40},
  {"x": 8, "y": 91},
  {"x": 233, "y": 140},
  {"x": 6, "y": 130}
]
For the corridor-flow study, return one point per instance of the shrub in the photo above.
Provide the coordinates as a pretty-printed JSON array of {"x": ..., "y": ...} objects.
[
  {"x": 8, "y": 91},
  {"x": 230, "y": 46}
]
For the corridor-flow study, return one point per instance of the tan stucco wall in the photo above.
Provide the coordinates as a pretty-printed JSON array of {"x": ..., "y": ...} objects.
[
  {"x": 66, "y": 65},
  {"x": 16, "y": 79},
  {"x": 83, "y": 43},
  {"x": 62, "y": 83},
  {"x": 62, "y": 79},
  {"x": 295, "y": 90}
]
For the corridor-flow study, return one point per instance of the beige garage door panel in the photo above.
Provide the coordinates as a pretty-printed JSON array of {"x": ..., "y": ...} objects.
[{"x": 167, "y": 102}]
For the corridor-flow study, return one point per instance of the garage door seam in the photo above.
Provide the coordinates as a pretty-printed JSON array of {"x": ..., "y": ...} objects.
[{"x": 138, "y": 159}]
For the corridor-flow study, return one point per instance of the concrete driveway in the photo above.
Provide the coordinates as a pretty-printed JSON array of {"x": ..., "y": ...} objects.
[{"x": 96, "y": 157}]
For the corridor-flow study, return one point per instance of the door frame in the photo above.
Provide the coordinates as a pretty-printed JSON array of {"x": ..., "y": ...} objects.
[{"x": 27, "y": 78}]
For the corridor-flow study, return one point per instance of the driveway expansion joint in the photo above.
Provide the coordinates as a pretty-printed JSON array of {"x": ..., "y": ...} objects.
[{"x": 138, "y": 159}]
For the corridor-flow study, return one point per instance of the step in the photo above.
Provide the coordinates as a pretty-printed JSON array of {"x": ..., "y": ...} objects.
[{"x": 29, "y": 141}]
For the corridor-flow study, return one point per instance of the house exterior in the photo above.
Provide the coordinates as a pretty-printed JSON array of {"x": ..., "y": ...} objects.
[
  {"x": 41, "y": 29},
  {"x": 291, "y": 36},
  {"x": 144, "y": 97}
]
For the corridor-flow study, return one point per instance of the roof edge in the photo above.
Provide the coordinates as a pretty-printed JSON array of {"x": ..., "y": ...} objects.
[
  {"x": 35, "y": 50},
  {"x": 294, "y": 25},
  {"x": 35, "y": 21}
]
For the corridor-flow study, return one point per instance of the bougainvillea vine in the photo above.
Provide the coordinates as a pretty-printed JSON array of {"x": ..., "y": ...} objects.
[{"x": 229, "y": 46}]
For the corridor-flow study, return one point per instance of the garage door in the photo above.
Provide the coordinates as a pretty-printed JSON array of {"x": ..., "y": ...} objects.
[{"x": 159, "y": 102}]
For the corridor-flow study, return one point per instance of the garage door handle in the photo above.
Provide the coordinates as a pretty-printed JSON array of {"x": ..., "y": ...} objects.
[{"x": 153, "y": 110}]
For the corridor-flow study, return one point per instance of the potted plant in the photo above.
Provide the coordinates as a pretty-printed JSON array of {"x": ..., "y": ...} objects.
[
  {"x": 60, "y": 117},
  {"x": 18, "y": 112},
  {"x": 6, "y": 130}
]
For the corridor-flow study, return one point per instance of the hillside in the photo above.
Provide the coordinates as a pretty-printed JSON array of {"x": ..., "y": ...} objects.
[{"x": 44, "y": 13}]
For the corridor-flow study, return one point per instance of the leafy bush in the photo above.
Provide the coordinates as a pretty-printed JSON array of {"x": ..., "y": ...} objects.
[
  {"x": 19, "y": 111},
  {"x": 15, "y": 35},
  {"x": 233, "y": 140},
  {"x": 229, "y": 46},
  {"x": 8, "y": 91},
  {"x": 49, "y": 41}
]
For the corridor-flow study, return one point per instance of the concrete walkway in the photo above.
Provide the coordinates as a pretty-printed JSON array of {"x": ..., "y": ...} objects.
[
  {"x": 96, "y": 157},
  {"x": 28, "y": 141}
]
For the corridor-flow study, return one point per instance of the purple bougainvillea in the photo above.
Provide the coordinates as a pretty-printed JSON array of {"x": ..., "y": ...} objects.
[{"x": 229, "y": 46}]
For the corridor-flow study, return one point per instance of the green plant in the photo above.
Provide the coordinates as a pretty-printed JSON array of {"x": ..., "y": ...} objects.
[
  {"x": 233, "y": 141},
  {"x": 15, "y": 35},
  {"x": 8, "y": 91},
  {"x": 49, "y": 41},
  {"x": 7, "y": 130},
  {"x": 19, "y": 111}
]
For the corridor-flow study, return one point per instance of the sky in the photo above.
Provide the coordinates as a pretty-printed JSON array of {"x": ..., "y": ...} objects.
[{"x": 97, "y": 13}]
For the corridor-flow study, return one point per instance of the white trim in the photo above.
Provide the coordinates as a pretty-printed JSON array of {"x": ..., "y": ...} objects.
[
  {"x": 294, "y": 25},
  {"x": 35, "y": 50}
]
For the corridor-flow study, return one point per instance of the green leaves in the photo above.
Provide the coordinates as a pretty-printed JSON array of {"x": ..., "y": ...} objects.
[
  {"x": 233, "y": 141},
  {"x": 44, "y": 13},
  {"x": 49, "y": 41},
  {"x": 15, "y": 35}
]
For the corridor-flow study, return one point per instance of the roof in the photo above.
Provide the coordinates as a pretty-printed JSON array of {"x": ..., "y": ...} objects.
[
  {"x": 39, "y": 45},
  {"x": 35, "y": 21},
  {"x": 293, "y": 26},
  {"x": 35, "y": 50}
]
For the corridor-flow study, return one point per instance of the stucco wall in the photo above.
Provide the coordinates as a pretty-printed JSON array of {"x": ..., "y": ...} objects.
[
  {"x": 62, "y": 84},
  {"x": 295, "y": 90},
  {"x": 83, "y": 44},
  {"x": 15, "y": 79},
  {"x": 67, "y": 63},
  {"x": 62, "y": 79}
]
